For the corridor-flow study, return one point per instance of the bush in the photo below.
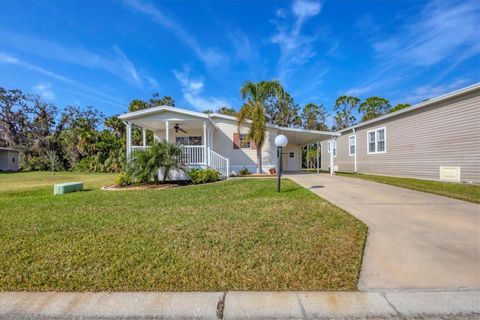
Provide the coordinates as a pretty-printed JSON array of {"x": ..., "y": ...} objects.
[
  {"x": 198, "y": 176},
  {"x": 123, "y": 179},
  {"x": 244, "y": 172}
]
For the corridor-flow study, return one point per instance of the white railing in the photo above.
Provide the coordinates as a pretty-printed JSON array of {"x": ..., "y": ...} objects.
[
  {"x": 218, "y": 162},
  {"x": 139, "y": 148},
  {"x": 193, "y": 154}
]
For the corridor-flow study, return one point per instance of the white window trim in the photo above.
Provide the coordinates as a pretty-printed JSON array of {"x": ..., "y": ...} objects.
[
  {"x": 350, "y": 146},
  {"x": 334, "y": 143},
  {"x": 376, "y": 140}
]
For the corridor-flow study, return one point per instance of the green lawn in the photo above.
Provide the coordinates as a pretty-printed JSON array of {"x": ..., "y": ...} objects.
[
  {"x": 462, "y": 191},
  {"x": 234, "y": 235}
]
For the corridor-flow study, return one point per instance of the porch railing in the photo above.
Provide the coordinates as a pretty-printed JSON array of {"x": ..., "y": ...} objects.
[
  {"x": 218, "y": 162},
  {"x": 193, "y": 154}
]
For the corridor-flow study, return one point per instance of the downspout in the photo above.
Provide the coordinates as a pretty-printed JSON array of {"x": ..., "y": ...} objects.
[
  {"x": 331, "y": 155},
  {"x": 355, "y": 155}
]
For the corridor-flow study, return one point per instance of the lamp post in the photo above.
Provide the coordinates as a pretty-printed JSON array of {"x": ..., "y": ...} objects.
[{"x": 280, "y": 141}]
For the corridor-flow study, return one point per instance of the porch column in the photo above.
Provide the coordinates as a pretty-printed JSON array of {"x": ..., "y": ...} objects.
[
  {"x": 301, "y": 157},
  {"x": 205, "y": 153},
  {"x": 167, "y": 132},
  {"x": 331, "y": 156},
  {"x": 144, "y": 137},
  {"x": 129, "y": 139},
  {"x": 318, "y": 157}
]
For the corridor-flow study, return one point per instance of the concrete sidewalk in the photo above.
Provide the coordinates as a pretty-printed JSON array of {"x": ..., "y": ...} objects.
[
  {"x": 464, "y": 304},
  {"x": 415, "y": 239}
]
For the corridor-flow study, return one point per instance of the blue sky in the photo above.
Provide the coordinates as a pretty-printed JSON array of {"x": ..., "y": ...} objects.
[{"x": 106, "y": 53}]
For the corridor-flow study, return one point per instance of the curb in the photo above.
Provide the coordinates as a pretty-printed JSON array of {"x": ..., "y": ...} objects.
[{"x": 399, "y": 304}]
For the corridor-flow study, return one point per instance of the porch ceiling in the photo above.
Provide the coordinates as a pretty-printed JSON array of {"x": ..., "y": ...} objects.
[
  {"x": 302, "y": 136},
  {"x": 156, "y": 125}
]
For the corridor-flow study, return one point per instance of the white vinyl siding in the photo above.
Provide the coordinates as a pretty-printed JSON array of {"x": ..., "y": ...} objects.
[
  {"x": 352, "y": 145},
  {"x": 376, "y": 141}
]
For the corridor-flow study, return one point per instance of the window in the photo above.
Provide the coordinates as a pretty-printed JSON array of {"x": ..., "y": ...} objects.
[
  {"x": 352, "y": 145},
  {"x": 292, "y": 154},
  {"x": 244, "y": 142},
  {"x": 189, "y": 141},
  {"x": 376, "y": 140}
]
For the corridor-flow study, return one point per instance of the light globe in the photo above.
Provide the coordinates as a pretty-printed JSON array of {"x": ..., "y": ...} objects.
[{"x": 281, "y": 140}]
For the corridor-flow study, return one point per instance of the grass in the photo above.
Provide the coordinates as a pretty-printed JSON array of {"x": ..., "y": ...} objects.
[
  {"x": 232, "y": 235},
  {"x": 461, "y": 191}
]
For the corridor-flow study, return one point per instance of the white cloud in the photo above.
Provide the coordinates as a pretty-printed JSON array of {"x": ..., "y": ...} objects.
[
  {"x": 281, "y": 13},
  {"x": 430, "y": 91},
  {"x": 443, "y": 30},
  {"x": 44, "y": 90},
  {"x": 296, "y": 49},
  {"x": 97, "y": 95},
  {"x": 441, "y": 35},
  {"x": 192, "y": 90},
  {"x": 303, "y": 8},
  {"x": 112, "y": 60},
  {"x": 211, "y": 57}
]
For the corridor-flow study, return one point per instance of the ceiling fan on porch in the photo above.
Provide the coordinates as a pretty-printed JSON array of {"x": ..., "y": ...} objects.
[{"x": 177, "y": 128}]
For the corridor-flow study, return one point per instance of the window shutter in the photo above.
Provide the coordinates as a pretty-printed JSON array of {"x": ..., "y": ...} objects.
[
  {"x": 236, "y": 140},
  {"x": 253, "y": 146}
]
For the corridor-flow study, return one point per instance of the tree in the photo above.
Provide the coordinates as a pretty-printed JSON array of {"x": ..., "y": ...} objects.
[
  {"x": 344, "y": 107},
  {"x": 255, "y": 95},
  {"x": 374, "y": 107},
  {"x": 227, "y": 111},
  {"x": 156, "y": 101},
  {"x": 164, "y": 156},
  {"x": 282, "y": 110},
  {"x": 138, "y": 104},
  {"x": 314, "y": 117},
  {"x": 53, "y": 159},
  {"x": 400, "y": 106},
  {"x": 13, "y": 117}
]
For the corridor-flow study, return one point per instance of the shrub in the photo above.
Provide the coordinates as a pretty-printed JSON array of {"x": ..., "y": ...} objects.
[
  {"x": 198, "y": 176},
  {"x": 162, "y": 156},
  {"x": 244, "y": 172},
  {"x": 123, "y": 179}
]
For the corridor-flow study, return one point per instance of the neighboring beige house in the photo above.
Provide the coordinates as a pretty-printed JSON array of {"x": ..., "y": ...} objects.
[
  {"x": 9, "y": 159},
  {"x": 438, "y": 139},
  {"x": 214, "y": 140}
]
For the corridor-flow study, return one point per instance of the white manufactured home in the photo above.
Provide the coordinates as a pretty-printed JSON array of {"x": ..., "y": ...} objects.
[
  {"x": 216, "y": 141},
  {"x": 438, "y": 139}
]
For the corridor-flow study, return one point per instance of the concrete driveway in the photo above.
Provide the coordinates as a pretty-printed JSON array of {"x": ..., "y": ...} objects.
[{"x": 415, "y": 240}]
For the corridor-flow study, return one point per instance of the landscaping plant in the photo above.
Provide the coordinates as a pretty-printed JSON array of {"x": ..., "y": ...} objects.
[
  {"x": 163, "y": 156},
  {"x": 198, "y": 176}
]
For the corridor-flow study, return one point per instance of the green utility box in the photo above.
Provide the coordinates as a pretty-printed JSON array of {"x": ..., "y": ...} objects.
[{"x": 68, "y": 187}]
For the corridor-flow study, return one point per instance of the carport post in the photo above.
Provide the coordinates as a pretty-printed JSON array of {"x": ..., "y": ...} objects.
[{"x": 318, "y": 157}]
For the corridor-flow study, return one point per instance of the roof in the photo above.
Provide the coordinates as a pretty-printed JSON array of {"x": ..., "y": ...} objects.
[
  {"x": 417, "y": 106},
  {"x": 210, "y": 116},
  {"x": 144, "y": 112}
]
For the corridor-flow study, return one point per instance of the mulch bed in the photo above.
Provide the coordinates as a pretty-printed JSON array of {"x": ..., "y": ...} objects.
[{"x": 115, "y": 187}]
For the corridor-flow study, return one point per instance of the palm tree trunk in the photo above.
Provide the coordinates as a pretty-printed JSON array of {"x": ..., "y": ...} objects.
[{"x": 259, "y": 159}]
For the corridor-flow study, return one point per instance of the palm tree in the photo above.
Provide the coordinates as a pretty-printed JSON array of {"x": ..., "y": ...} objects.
[
  {"x": 162, "y": 156},
  {"x": 255, "y": 95}
]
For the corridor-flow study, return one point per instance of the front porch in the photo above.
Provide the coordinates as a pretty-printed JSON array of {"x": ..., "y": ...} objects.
[{"x": 192, "y": 132}]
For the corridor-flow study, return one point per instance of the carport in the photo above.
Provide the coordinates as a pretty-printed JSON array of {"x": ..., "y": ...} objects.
[{"x": 306, "y": 138}]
